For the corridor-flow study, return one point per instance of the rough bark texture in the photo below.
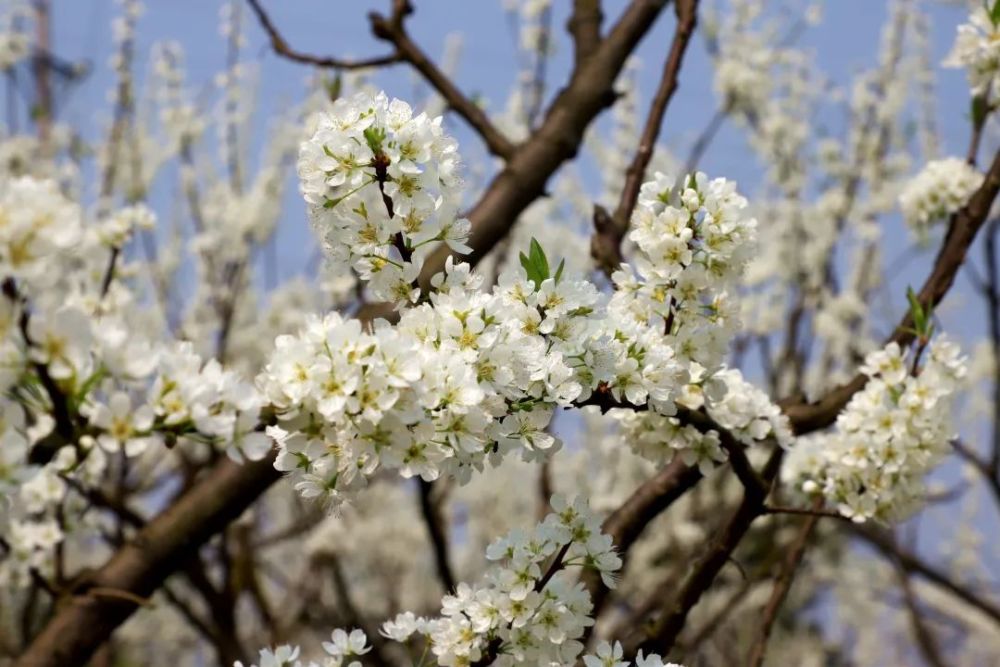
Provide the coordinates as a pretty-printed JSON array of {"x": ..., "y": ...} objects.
[{"x": 86, "y": 617}]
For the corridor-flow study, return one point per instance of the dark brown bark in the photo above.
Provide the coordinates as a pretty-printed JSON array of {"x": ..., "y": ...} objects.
[{"x": 86, "y": 618}]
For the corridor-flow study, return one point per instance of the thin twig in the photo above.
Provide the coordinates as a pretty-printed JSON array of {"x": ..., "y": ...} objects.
[
  {"x": 610, "y": 230},
  {"x": 430, "y": 508},
  {"x": 782, "y": 584},
  {"x": 925, "y": 637},
  {"x": 280, "y": 47},
  {"x": 392, "y": 30}
]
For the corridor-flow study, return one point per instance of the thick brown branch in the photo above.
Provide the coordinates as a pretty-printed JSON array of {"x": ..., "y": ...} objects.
[
  {"x": 84, "y": 621},
  {"x": 523, "y": 179},
  {"x": 965, "y": 224},
  {"x": 392, "y": 30},
  {"x": 606, "y": 243},
  {"x": 585, "y": 27},
  {"x": 626, "y": 523},
  {"x": 664, "y": 632},
  {"x": 281, "y": 47}
]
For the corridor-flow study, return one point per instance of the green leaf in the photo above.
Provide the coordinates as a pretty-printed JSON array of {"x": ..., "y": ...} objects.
[
  {"x": 995, "y": 13},
  {"x": 526, "y": 264},
  {"x": 375, "y": 136},
  {"x": 535, "y": 263},
  {"x": 334, "y": 87},
  {"x": 922, "y": 317},
  {"x": 559, "y": 270},
  {"x": 539, "y": 259}
]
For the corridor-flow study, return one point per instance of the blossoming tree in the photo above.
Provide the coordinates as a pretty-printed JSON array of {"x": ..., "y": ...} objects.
[{"x": 508, "y": 417}]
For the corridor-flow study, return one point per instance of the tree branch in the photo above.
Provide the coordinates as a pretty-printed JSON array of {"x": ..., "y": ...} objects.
[
  {"x": 610, "y": 230},
  {"x": 925, "y": 638},
  {"x": 392, "y": 30},
  {"x": 430, "y": 508},
  {"x": 142, "y": 565},
  {"x": 913, "y": 563},
  {"x": 523, "y": 179},
  {"x": 808, "y": 417},
  {"x": 584, "y": 26},
  {"x": 782, "y": 584},
  {"x": 664, "y": 632},
  {"x": 280, "y": 47}
]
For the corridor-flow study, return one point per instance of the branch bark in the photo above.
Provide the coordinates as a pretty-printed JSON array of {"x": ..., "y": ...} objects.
[
  {"x": 392, "y": 30},
  {"x": 610, "y": 230},
  {"x": 280, "y": 47},
  {"x": 584, "y": 26},
  {"x": 965, "y": 224},
  {"x": 590, "y": 90},
  {"x": 430, "y": 507},
  {"x": 84, "y": 621},
  {"x": 664, "y": 632},
  {"x": 782, "y": 584}
]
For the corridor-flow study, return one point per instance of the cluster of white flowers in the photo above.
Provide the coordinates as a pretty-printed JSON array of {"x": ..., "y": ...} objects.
[
  {"x": 382, "y": 187},
  {"x": 527, "y": 609},
  {"x": 890, "y": 435},
  {"x": 693, "y": 239},
  {"x": 941, "y": 188},
  {"x": 608, "y": 655},
  {"x": 743, "y": 409},
  {"x": 206, "y": 400},
  {"x": 468, "y": 375},
  {"x": 37, "y": 225},
  {"x": 342, "y": 647},
  {"x": 977, "y": 48}
]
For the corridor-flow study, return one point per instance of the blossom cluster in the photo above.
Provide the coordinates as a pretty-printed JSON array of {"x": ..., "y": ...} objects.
[
  {"x": 382, "y": 186},
  {"x": 526, "y": 609},
  {"x": 890, "y": 435},
  {"x": 941, "y": 188},
  {"x": 977, "y": 48},
  {"x": 743, "y": 409},
  {"x": 37, "y": 225},
  {"x": 343, "y": 646},
  {"x": 693, "y": 240},
  {"x": 468, "y": 375}
]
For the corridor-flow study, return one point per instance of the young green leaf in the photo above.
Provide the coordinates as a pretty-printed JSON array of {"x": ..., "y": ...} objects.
[
  {"x": 559, "y": 270},
  {"x": 535, "y": 264},
  {"x": 923, "y": 324},
  {"x": 539, "y": 259}
]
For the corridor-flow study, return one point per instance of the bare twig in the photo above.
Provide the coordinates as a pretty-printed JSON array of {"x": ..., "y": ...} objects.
[
  {"x": 610, "y": 230},
  {"x": 782, "y": 584},
  {"x": 430, "y": 508},
  {"x": 911, "y": 562},
  {"x": 280, "y": 47},
  {"x": 663, "y": 633},
  {"x": 925, "y": 637},
  {"x": 392, "y": 30}
]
